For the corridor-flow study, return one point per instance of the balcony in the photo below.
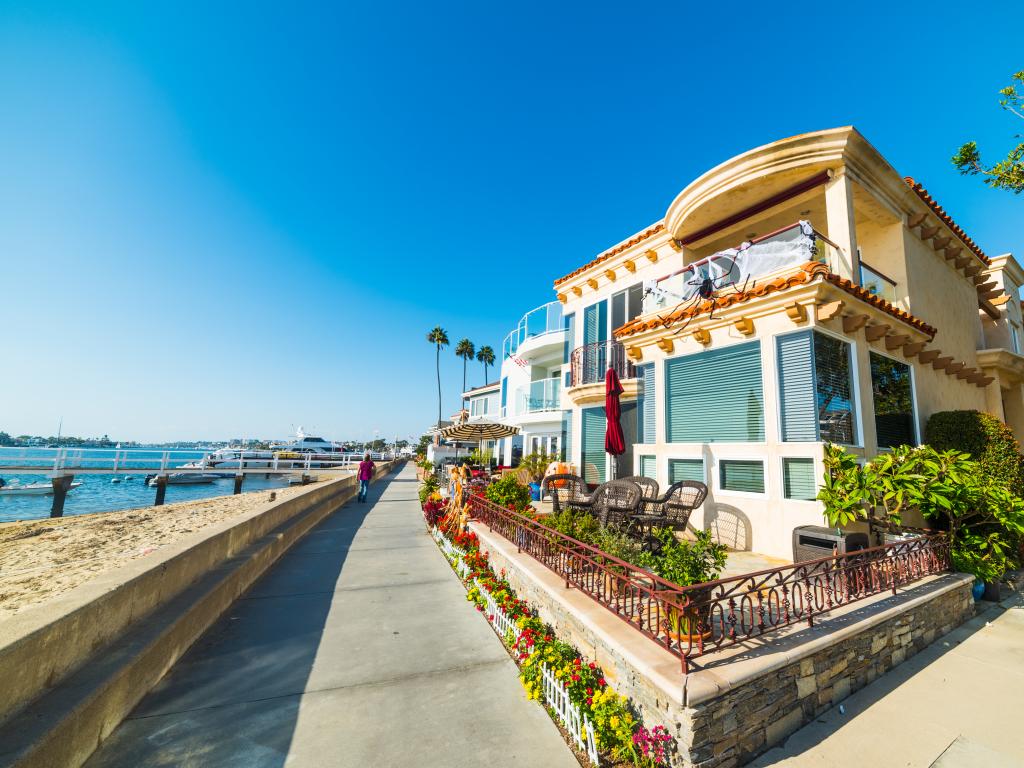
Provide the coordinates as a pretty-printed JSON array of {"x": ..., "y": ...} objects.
[
  {"x": 875, "y": 282},
  {"x": 540, "y": 396},
  {"x": 538, "y": 322},
  {"x": 591, "y": 362}
]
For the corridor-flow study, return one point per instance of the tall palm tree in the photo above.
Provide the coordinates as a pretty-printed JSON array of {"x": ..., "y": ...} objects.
[
  {"x": 466, "y": 351},
  {"x": 439, "y": 338},
  {"x": 486, "y": 356}
]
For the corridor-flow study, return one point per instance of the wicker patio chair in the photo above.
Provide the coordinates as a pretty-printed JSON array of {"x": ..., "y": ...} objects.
[
  {"x": 616, "y": 502},
  {"x": 673, "y": 510},
  {"x": 648, "y": 487},
  {"x": 567, "y": 492}
]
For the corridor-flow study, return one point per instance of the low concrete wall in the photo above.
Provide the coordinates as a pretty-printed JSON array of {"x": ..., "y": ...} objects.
[
  {"x": 741, "y": 701},
  {"x": 73, "y": 668}
]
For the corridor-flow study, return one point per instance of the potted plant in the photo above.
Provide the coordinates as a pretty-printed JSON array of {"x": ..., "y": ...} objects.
[
  {"x": 688, "y": 563},
  {"x": 536, "y": 464}
]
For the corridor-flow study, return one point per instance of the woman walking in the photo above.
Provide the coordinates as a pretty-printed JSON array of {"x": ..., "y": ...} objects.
[{"x": 366, "y": 467}]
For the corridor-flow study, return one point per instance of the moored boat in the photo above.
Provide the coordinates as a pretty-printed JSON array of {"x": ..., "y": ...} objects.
[{"x": 30, "y": 489}]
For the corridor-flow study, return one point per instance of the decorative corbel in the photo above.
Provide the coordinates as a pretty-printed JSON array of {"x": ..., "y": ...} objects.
[
  {"x": 927, "y": 233},
  {"x": 676, "y": 245},
  {"x": 744, "y": 325},
  {"x": 577, "y": 290},
  {"x": 953, "y": 368},
  {"x": 666, "y": 345},
  {"x": 940, "y": 363},
  {"x": 703, "y": 335},
  {"x": 652, "y": 255},
  {"x": 972, "y": 270},
  {"x": 592, "y": 283},
  {"x": 797, "y": 312},
  {"x": 635, "y": 353},
  {"x": 630, "y": 265},
  {"x": 962, "y": 262},
  {"x": 562, "y": 297},
  {"x": 854, "y": 323},
  {"x": 941, "y": 242},
  {"x": 928, "y": 355},
  {"x": 966, "y": 373},
  {"x": 984, "y": 382},
  {"x": 610, "y": 274},
  {"x": 830, "y": 310},
  {"x": 909, "y": 350},
  {"x": 895, "y": 341},
  {"x": 952, "y": 252},
  {"x": 916, "y": 219},
  {"x": 875, "y": 332}
]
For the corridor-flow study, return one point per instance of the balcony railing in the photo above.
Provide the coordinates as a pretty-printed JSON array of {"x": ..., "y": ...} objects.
[
  {"x": 874, "y": 281},
  {"x": 591, "y": 362},
  {"x": 545, "y": 319},
  {"x": 724, "y": 612},
  {"x": 540, "y": 396}
]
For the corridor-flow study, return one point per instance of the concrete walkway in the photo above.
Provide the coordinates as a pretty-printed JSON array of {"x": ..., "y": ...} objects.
[
  {"x": 358, "y": 648},
  {"x": 956, "y": 704}
]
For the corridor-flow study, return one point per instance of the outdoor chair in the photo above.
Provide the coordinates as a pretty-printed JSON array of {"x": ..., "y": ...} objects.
[
  {"x": 672, "y": 510},
  {"x": 616, "y": 502},
  {"x": 648, "y": 487},
  {"x": 567, "y": 492}
]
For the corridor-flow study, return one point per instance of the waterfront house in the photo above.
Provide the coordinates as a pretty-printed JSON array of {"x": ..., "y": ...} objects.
[{"x": 802, "y": 292}]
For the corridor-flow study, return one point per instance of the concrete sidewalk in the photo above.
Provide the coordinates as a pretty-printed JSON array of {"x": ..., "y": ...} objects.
[
  {"x": 358, "y": 648},
  {"x": 956, "y": 704}
]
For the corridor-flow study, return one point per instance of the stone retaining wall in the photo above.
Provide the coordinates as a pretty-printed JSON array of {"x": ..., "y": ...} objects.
[{"x": 746, "y": 699}]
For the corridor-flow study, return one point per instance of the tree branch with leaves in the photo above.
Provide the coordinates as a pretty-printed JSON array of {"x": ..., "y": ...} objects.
[{"x": 1008, "y": 173}]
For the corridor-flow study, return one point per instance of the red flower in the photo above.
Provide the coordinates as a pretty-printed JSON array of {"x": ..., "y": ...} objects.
[
  {"x": 590, "y": 702},
  {"x": 575, "y": 678},
  {"x": 592, "y": 665},
  {"x": 600, "y": 681},
  {"x": 590, "y": 691}
]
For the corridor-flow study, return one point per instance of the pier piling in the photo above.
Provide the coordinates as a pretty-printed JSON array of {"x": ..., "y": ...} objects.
[
  {"x": 61, "y": 484},
  {"x": 238, "y": 483},
  {"x": 161, "y": 490}
]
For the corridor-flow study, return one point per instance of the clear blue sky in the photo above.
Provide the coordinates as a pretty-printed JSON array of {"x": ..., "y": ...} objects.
[{"x": 224, "y": 222}]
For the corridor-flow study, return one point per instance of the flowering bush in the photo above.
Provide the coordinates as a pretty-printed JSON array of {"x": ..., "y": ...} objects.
[
  {"x": 652, "y": 745},
  {"x": 509, "y": 493},
  {"x": 433, "y": 510}
]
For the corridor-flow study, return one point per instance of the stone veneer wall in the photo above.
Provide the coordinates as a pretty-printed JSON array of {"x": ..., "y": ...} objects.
[{"x": 733, "y": 728}]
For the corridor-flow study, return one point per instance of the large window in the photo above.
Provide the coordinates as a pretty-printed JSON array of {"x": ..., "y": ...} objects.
[
  {"x": 627, "y": 305},
  {"x": 894, "y": 402},
  {"x": 741, "y": 475},
  {"x": 645, "y": 404},
  {"x": 685, "y": 469},
  {"x": 716, "y": 396},
  {"x": 816, "y": 388},
  {"x": 593, "y": 454}
]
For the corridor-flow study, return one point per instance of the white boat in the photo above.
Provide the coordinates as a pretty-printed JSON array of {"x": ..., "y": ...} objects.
[
  {"x": 187, "y": 478},
  {"x": 31, "y": 489},
  {"x": 232, "y": 458},
  {"x": 304, "y": 443}
]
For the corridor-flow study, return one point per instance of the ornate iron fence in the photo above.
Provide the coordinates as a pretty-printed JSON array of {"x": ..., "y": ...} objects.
[
  {"x": 589, "y": 363},
  {"x": 698, "y": 619}
]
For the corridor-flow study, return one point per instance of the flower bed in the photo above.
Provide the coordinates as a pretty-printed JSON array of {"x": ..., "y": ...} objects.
[{"x": 598, "y": 721}]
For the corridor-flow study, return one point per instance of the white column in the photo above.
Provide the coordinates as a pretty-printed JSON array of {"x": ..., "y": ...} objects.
[{"x": 841, "y": 227}]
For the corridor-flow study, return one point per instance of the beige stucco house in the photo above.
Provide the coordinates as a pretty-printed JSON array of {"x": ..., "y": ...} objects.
[{"x": 800, "y": 293}]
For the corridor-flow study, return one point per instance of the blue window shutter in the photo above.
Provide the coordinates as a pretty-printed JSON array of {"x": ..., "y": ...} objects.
[
  {"x": 646, "y": 404},
  {"x": 570, "y": 337},
  {"x": 649, "y": 467},
  {"x": 744, "y": 475},
  {"x": 716, "y": 396},
  {"x": 595, "y": 323},
  {"x": 798, "y": 479},
  {"x": 686, "y": 469},
  {"x": 504, "y": 392},
  {"x": 594, "y": 422},
  {"x": 797, "y": 408}
]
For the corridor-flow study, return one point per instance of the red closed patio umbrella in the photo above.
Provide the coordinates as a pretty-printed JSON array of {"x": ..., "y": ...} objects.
[{"x": 614, "y": 442}]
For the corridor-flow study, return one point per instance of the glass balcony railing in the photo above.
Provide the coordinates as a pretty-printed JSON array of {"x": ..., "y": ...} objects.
[
  {"x": 539, "y": 396},
  {"x": 545, "y": 319},
  {"x": 877, "y": 283}
]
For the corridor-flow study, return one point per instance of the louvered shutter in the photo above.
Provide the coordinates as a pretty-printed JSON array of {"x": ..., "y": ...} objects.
[
  {"x": 649, "y": 467},
  {"x": 737, "y": 475},
  {"x": 594, "y": 423},
  {"x": 798, "y": 479},
  {"x": 685, "y": 469},
  {"x": 716, "y": 396},
  {"x": 796, "y": 387},
  {"x": 646, "y": 404}
]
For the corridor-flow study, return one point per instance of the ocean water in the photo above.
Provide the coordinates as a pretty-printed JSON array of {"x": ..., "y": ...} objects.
[{"x": 98, "y": 494}]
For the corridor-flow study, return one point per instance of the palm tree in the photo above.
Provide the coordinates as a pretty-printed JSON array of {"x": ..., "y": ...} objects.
[
  {"x": 466, "y": 351},
  {"x": 486, "y": 356},
  {"x": 439, "y": 338}
]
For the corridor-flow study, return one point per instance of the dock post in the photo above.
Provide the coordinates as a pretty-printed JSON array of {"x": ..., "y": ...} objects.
[
  {"x": 305, "y": 479},
  {"x": 238, "y": 483},
  {"x": 61, "y": 484},
  {"x": 161, "y": 490}
]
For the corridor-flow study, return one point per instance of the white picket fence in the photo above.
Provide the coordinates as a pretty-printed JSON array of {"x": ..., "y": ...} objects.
[{"x": 556, "y": 694}]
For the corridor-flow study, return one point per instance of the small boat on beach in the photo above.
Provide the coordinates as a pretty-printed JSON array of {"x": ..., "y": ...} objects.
[{"x": 30, "y": 489}]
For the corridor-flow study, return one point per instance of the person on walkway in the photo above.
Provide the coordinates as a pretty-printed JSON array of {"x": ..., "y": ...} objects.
[{"x": 366, "y": 467}]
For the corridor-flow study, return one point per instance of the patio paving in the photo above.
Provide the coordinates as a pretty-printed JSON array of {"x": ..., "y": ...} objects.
[{"x": 358, "y": 648}]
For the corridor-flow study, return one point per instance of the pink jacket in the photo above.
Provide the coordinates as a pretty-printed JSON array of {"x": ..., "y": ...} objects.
[{"x": 366, "y": 470}]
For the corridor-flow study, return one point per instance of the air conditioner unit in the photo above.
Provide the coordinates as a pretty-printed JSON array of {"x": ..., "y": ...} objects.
[{"x": 811, "y": 542}]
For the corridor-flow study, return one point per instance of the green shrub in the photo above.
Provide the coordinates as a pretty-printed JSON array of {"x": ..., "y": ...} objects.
[
  {"x": 508, "y": 492},
  {"x": 688, "y": 562},
  {"x": 427, "y": 487},
  {"x": 985, "y": 438}
]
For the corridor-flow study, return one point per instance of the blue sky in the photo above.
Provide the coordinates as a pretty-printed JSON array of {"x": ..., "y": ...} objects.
[{"x": 225, "y": 222}]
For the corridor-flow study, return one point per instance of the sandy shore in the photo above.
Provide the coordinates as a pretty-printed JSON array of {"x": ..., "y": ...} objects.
[{"x": 40, "y": 559}]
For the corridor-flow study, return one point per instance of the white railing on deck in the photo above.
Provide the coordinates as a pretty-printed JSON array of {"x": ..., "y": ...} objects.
[{"x": 556, "y": 694}]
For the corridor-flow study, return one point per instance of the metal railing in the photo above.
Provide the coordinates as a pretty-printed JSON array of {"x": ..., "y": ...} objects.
[
  {"x": 539, "y": 396},
  {"x": 591, "y": 362},
  {"x": 544, "y": 319},
  {"x": 141, "y": 460},
  {"x": 698, "y": 619}
]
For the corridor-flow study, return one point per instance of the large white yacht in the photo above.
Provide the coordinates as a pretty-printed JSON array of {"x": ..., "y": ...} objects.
[{"x": 304, "y": 443}]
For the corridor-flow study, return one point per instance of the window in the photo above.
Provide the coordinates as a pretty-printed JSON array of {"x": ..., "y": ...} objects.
[
  {"x": 645, "y": 404},
  {"x": 741, "y": 475},
  {"x": 593, "y": 445},
  {"x": 649, "y": 467},
  {"x": 504, "y": 394},
  {"x": 569, "y": 321},
  {"x": 595, "y": 323},
  {"x": 685, "y": 469},
  {"x": 798, "y": 479},
  {"x": 716, "y": 396},
  {"x": 565, "y": 454},
  {"x": 894, "y": 402},
  {"x": 627, "y": 305},
  {"x": 815, "y": 388}
]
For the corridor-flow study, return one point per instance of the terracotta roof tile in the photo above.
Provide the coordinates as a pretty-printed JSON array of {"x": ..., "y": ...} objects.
[
  {"x": 804, "y": 275},
  {"x": 946, "y": 218},
  {"x": 647, "y": 233}
]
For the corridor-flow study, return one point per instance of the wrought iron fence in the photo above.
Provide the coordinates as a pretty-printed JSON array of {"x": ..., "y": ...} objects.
[
  {"x": 590, "y": 362},
  {"x": 698, "y": 619}
]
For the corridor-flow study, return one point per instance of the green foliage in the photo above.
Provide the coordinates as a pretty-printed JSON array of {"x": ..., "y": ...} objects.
[
  {"x": 1008, "y": 173},
  {"x": 427, "y": 487},
  {"x": 476, "y": 456},
  {"x": 536, "y": 464},
  {"x": 688, "y": 562},
  {"x": 509, "y": 492},
  {"x": 486, "y": 356},
  {"x": 984, "y": 517},
  {"x": 988, "y": 441}
]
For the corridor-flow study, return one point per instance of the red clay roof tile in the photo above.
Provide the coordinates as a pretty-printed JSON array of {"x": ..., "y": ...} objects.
[{"x": 647, "y": 233}]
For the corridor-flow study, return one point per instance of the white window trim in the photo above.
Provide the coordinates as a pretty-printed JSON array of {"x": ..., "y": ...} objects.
[
  {"x": 717, "y": 477},
  {"x": 818, "y": 466},
  {"x": 670, "y": 459}
]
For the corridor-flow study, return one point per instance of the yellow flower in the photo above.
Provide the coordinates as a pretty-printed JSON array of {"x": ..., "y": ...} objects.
[{"x": 614, "y": 721}]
